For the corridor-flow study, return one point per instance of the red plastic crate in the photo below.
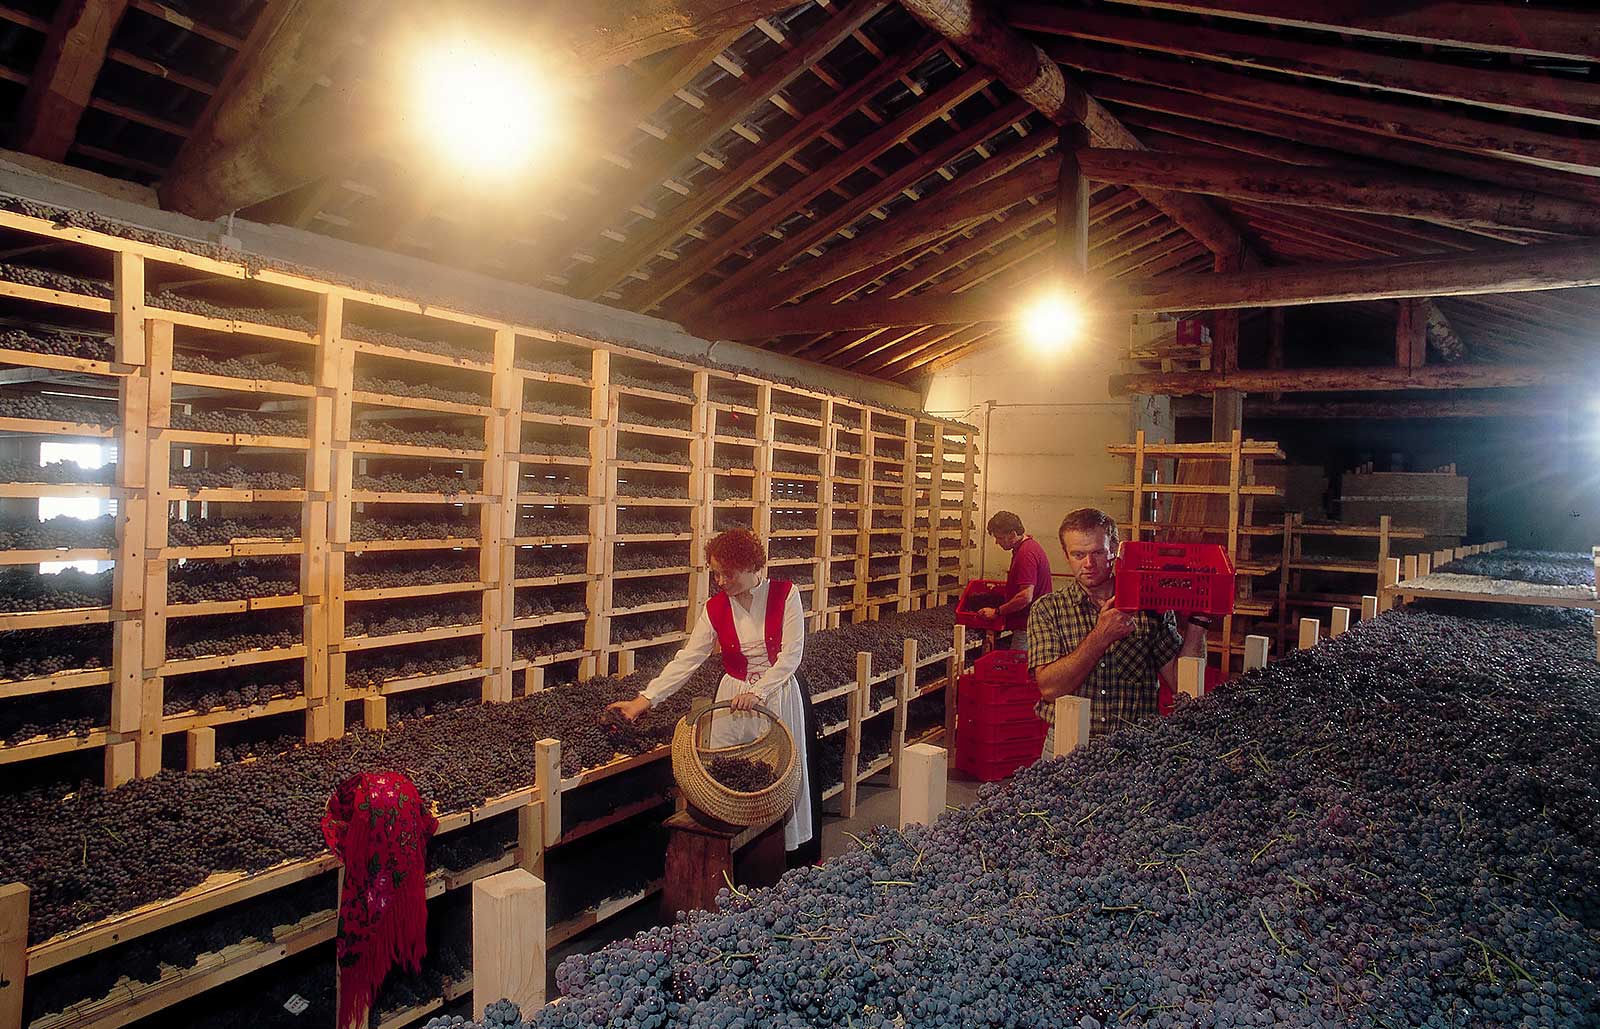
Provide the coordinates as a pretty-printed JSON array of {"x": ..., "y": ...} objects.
[
  {"x": 985, "y": 735},
  {"x": 1195, "y": 578},
  {"x": 1007, "y": 666},
  {"x": 977, "y": 697},
  {"x": 969, "y": 617},
  {"x": 998, "y": 761}
]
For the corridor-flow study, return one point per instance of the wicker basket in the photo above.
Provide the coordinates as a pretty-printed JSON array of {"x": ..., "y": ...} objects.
[{"x": 690, "y": 763}]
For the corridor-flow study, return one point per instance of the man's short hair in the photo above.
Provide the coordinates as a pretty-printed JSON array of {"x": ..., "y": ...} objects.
[
  {"x": 1004, "y": 521},
  {"x": 1090, "y": 519}
]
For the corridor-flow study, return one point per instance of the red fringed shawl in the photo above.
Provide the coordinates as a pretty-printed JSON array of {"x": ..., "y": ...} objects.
[{"x": 378, "y": 827}]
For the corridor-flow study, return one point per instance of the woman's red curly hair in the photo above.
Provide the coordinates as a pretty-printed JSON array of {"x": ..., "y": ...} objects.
[{"x": 738, "y": 549}]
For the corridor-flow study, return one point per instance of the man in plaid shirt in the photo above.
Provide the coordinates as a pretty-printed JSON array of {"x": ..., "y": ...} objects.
[{"x": 1080, "y": 644}]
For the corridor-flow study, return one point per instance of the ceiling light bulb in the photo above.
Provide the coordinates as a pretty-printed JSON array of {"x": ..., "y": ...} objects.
[{"x": 1053, "y": 322}]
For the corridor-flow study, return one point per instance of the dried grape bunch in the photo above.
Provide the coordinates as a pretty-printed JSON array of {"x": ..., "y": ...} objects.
[
  {"x": 848, "y": 417},
  {"x": 41, "y": 278},
  {"x": 785, "y": 433},
  {"x": 73, "y": 713},
  {"x": 731, "y": 490},
  {"x": 59, "y": 531},
  {"x": 540, "y": 445},
  {"x": 58, "y": 344},
  {"x": 796, "y": 409},
  {"x": 238, "y": 368},
  {"x": 845, "y": 547},
  {"x": 23, "y": 589},
  {"x": 645, "y": 455},
  {"x": 794, "y": 520},
  {"x": 793, "y": 464},
  {"x": 232, "y": 689},
  {"x": 214, "y": 636},
  {"x": 543, "y": 483},
  {"x": 800, "y": 575},
  {"x": 722, "y": 521},
  {"x": 653, "y": 490},
  {"x": 1542, "y": 567},
  {"x": 628, "y": 379},
  {"x": 370, "y": 669},
  {"x": 741, "y": 774},
  {"x": 847, "y": 445},
  {"x": 783, "y": 549},
  {"x": 388, "y": 618},
  {"x": 552, "y": 366},
  {"x": 555, "y": 408},
  {"x": 205, "y": 532},
  {"x": 291, "y": 320},
  {"x": 423, "y": 528},
  {"x": 448, "y": 483},
  {"x": 725, "y": 457},
  {"x": 883, "y": 589},
  {"x": 197, "y": 582},
  {"x": 887, "y": 520},
  {"x": 55, "y": 409},
  {"x": 389, "y": 432},
  {"x": 734, "y": 425},
  {"x": 420, "y": 390},
  {"x": 239, "y": 422},
  {"x": 637, "y": 523},
  {"x": 629, "y": 628},
  {"x": 886, "y": 497},
  {"x": 978, "y": 600},
  {"x": 381, "y": 337},
  {"x": 552, "y": 522},
  {"x": 640, "y": 594},
  {"x": 556, "y": 639},
  {"x": 545, "y": 561},
  {"x": 35, "y": 653},
  {"x": 633, "y": 416},
  {"x": 235, "y": 477},
  {"x": 398, "y": 571},
  {"x": 549, "y": 600},
  {"x": 57, "y": 472},
  {"x": 883, "y": 566}
]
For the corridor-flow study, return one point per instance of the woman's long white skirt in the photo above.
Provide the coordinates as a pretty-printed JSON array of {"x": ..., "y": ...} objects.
[{"x": 729, "y": 728}]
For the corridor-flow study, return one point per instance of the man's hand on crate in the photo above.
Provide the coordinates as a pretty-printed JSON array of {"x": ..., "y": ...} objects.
[
  {"x": 988, "y": 613},
  {"x": 1113, "y": 625}
]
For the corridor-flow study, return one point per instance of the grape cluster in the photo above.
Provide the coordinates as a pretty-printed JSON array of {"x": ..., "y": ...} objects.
[
  {"x": 556, "y": 408},
  {"x": 387, "y": 618},
  {"x": 55, "y": 716},
  {"x": 58, "y": 344},
  {"x": 207, "y": 532},
  {"x": 637, "y": 522},
  {"x": 724, "y": 520},
  {"x": 43, "y": 278},
  {"x": 741, "y": 774},
  {"x": 238, "y": 368},
  {"x": 846, "y": 445},
  {"x": 195, "y": 582},
  {"x": 796, "y": 408},
  {"x": 36, "y": 653},
  {"x": 547, "y": 483},
  {"x": 632, "y": 416},
  {"x": 541, "y": 444},
  {"x": 887, "y": 520},
  {"x": 622, "y": 378},
  {"x": 844, "y": 546},
  {"x": 735, "y": 426},
  {"x": 1536, "y": 566},
  {"x": 652, "y": 490},
  {"x": 647, "y": 626},
  {"x": 639, "y": 594},
  {"x": 22, "y": 589},
  {"x": 883, "y": 566},
  {"x": 389, "y": 432},
  {"x": 783, "y": 432},
  {"x": 57, "y": 472},
  {"x": 535, "y": 564},
  {"x": 556, "y": 639},
  {"x": 549, "y": 600},
  {"x": 793, "y": 464},
  {"x": 846, "y": 416},
  {"x": 552, "y": 522},
  {"x": 421, "y": 390},
  {"x": 382, "y": 570},
  {"x": 55, "y": 409},
  {"x": 260, "y": 315},
  {"x": 370, "y": 669},
  {"x": 794, "y": 520},
  {"x": 646, "y": 455},
  {"x": 448, "y": 483},
  {"x": 413, "y": 528},
  {"x": 442, "y": 348},
  {"x": 726, "y": 457},
  {"x": 217, "y": 635},
  {"x": 231, "y": 689},
  {"x": 60, "y": 531},
  {"x": 239, "y": 422},
  {"x": 726, "y": 490},
  {"x": 641, "y": 558},
  {"x": 552, "y": 366},
  {"x": 800, "y": 575},
  {"x": 783, "y": 549},
  {"x": 235, "y": 477}
]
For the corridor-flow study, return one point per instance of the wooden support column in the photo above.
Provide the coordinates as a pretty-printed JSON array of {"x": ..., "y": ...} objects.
[
  {"x": 851, "y": 766},
  {"x": 904, "y": 690},
  {"x": 1411, "y": 333},
  {"x": 1072, "y": 205},
  {"x": 547, "y": 786},
  {"x": 508, "y": 941},
  {"x": 1072, "y": 724},
  {"x": 952, "y": 687},
  {"x": 14, "y": 899},
  {"x": 1227, "y": 405},
  {"x": 329, "y": 477},
  {"x": 200, "y": 748},
  {"x": 530, "y": 837},
  {"x": 923, "y": 784},
  {"x": 603, "y": 484},
  {"x": 498, "y": 518}
]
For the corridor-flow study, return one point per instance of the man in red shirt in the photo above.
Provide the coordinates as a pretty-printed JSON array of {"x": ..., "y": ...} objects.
[{"x": 1027, "y": 580}]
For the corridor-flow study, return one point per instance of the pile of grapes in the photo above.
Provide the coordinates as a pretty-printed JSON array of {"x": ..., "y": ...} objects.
[
  {"x": 387, "y": 618},
  {"x": 238, "y": 368},
  {"x": 422, "y": 390},
  {"x": 637, "y": 522},
  {"x": 260, "y": 315},
  {"x": 800, "y": 575},
  {"x": 389, "y": 432},
  {"x": 647, "y": 626},
  {"x": 23, "y": 589},
  {"x": 634, "y": 417},
  {"x": 370, "y": 669},
  {"x": 57, "y": 472},
  {"x": 380, "y": 337},
  {"x": 58, "y": 344},
  {"x": 550, "y": 601},
  {"x": 381, "y": 570},
  {"x": 541, "y": 445},
  {"x": 645, "y": 455},
  {"x": 783, "y": 432},
  {"x": 796, "y": 409},
  {"x": 196, "y": 582},
  {"x": 235, "y": 477},
  {"x": 629, "y": 595},
  {"x": 208, "y": 532},
  {"x": 1546, "y": 568},
  {"x": 55, "y": 409},
  {"x": 731, "y": 490},
  {"x": 794, "y": 520},
  {"x": 414, "y": 528},
  {"x": 636, "y": 490},
  {"x": 552, "y": 366},
  {"x": 722, "y": 521},
  {"x": 556, "y": 408},
  {"x": 735, "y": 426},
  {"x": 59, "y": 531},
  {"x": 784, "y": 549},
  {"x": 231, "y": 689},
  {"x": 240, "y": 423},
  {"x": 641, "y": 558},
  {"x": 546, "y": 561},
  {"x": 1395, "y": 828},
  {"x": 214, "y": 636},
  {"x": 741, "y": 774},
  {"x": 558, "y": 639},
  {"x": 36, "y": 653},
  {"x": 726, "y": 457},
  {"x": 793, "y": 464},
  {"x": 57, "y": 716},
  {"x": 552, "y": 522},
  {"x": 448, "y": 483},
  {"x": 621, "y": 378},
  {"x": 42, "y": 278},
  {"x": 544, "y": 483}
]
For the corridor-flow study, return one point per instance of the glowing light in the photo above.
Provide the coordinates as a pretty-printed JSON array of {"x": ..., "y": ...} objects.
[
  {"x": 482, "y": 108},
  {"x": 1053, "y": 322}
]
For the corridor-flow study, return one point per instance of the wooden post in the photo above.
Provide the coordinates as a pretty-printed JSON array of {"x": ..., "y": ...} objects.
[
  {"x": 851, "y": 768},
  {"x": 626, "y": 660},
  {"x": 533, "y": 680},
  {"x": 1369, "y": 608},
  {"x": 1192, "y": 677},
  {"x": 530, "y": 837},
  {"x": 1424, "y": 564},
  {"x": 121, "y": 761},
  {"x": 1339, "y": 623},
  {"x": 1408, "y": 567},
  {"x": 952, "y": 687},
  {"x": 375, "y": 712},
  {"x": 1072, "y": 724},
  {"x": 547, "y": 786},
  {"x": 13, "y": 952},
  {"x": 1310, "y": 629},
  {"x": 1391, "y": 575},
  {"x": 904, "y": 687},
  {"x": 922, "y": 786},
  {"x": 508, "y": 941},
  {"x": 200, "y": 748},
  {"x": 1255, "y": 652}
]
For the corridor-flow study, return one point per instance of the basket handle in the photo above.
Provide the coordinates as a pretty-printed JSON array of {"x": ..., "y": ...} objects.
[{"x": 700, "y": 712}]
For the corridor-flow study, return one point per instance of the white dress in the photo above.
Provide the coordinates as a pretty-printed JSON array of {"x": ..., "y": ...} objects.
[{"x": 774, "y": 683}]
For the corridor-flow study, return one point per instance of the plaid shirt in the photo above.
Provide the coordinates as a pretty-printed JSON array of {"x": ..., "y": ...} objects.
[{"x": 1122, "y": 687}]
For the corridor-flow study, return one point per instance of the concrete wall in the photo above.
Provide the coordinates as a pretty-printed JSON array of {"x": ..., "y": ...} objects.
[{"x": 1046, "y": 424}]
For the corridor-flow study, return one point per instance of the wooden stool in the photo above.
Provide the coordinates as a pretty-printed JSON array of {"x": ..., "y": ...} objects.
[{"x": 701, "y": 850}]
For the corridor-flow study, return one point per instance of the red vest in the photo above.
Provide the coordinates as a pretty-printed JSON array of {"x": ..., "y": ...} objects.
[{"x": 720, "y": 610}]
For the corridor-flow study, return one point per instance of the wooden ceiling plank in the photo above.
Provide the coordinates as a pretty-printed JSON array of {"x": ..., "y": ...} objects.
[
  {"x": 606, "y": 33},
  {"x": 1499, "y": 88},
  {"x": 188, "y": 24},
  {"x": 63, "y": 81},
  {"x": 161, "y": 71}
]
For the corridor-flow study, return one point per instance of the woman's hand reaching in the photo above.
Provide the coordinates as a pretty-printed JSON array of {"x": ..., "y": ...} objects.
[{"x": 630, "y": 709}]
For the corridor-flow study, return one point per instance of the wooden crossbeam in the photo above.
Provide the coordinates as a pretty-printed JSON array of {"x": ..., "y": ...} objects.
[
  {"x": 1399, "y": 195},
  {"x": 1408, "y": 410},
  {"x": 1506, "y": 89},
  {"x": 64, "y": 77},
  {"x": 1339, "y": 380},
  {"x": 605, "y": 33}
]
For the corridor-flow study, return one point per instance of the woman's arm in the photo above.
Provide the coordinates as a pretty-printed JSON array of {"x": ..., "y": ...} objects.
[
  {"x": 701, "y": 643},
  {"x": 794, "y": 636}
]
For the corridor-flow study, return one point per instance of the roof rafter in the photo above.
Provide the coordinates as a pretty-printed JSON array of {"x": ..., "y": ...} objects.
[{"x": 63, "y": 81}]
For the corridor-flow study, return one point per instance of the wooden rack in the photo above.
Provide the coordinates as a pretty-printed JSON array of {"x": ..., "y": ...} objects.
[
  {"x": 903, "y": 464},
  {"x": 1350, "y": 572}
]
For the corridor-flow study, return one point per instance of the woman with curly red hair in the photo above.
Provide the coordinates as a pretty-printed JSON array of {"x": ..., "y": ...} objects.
[{"x": 759, "y": 627}]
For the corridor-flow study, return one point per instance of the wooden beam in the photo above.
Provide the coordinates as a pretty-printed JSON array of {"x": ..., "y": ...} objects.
[
  {"x": 1072, "y": 203},
  {"x": 64, "y": 77},
  {"x": 1408, "y": 410},
  {"x": 1440, "y": 127},
  {"x": 1485, "y": 25},
  {"x": 1501, "y": 88},
  {"x": 1397, "y": 194},
  {"x": 605, "y": 33},
  {"x": 1410, "y": 334},
  {"x": 1340, "y": 380},
  {"x": 1507, "y": 269}
]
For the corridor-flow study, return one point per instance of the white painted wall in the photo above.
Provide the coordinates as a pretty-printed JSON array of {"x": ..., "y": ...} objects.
[{"x": 1046, "y": 424}]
